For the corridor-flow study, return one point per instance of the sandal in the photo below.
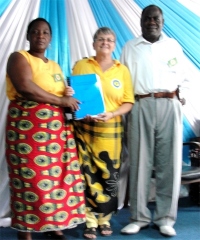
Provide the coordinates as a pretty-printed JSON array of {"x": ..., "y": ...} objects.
[
  {"x": 90, "y": 231},
  {"x": 104, "y": 228}
]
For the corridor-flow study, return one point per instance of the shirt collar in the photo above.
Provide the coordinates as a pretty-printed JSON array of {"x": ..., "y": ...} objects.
[
  {"x": 92, "y": 58},
  {"x": 140, "y": 39}
]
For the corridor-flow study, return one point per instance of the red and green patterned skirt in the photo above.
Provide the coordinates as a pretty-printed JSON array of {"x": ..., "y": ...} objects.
[{"x": 45, "y": 180}]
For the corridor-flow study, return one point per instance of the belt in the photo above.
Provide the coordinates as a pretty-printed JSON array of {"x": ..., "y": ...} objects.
[{"x": 157, "y": 95}]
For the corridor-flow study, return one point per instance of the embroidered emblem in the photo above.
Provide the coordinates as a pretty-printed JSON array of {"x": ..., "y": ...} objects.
[
  {"x": 172, "y": 62},
  {"x": 116, "y": 83},
  {"x": 57, "y": 77}
]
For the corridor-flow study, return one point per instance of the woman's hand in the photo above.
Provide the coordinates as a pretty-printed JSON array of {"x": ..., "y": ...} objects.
[
  {"x": 69, "y": 91},
  {"x": 123, "y": 109},
  {"x": 100, "y": 117},
  {"x": 105, "y": 116},
  {"x": 70, "y": 102}
]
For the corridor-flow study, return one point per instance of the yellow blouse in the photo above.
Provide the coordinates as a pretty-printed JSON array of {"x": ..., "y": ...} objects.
[
  {"x": 48, "y": 76},
  {"x": 116, "y": 81}
]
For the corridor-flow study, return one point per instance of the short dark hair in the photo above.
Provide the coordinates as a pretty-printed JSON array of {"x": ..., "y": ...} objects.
[
  {"x": 104, "y": 30},
  {"x": 151, "y": 6},
  {"x": 38, "y": 20}
]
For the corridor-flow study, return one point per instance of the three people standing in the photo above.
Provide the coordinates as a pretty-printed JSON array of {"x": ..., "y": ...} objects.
[{"x": 154, "y": 133}]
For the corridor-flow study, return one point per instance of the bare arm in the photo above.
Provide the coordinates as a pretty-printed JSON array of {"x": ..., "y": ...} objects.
[{"x": 20, "y": 74}]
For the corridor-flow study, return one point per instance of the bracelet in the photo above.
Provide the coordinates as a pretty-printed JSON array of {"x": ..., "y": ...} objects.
[{"x": 113, "y": 114}]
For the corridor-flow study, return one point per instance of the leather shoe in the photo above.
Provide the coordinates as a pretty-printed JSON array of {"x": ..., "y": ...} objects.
[
  {"x": 167, "y": 230},
  {"x": 131, "y": 228}
]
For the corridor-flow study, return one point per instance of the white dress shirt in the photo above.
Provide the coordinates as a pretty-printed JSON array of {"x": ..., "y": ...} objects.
[{"x": 155, "y": 67}]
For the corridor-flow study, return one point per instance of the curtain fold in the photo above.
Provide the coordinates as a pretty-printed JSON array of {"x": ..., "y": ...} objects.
[
  {"x": 192, "y": 5},
  {"x": 3, "y": 5},
  {"x": 13, "y": 22},
  {"x": 81, "y": 28},
  {"x": 130, "y": 12},
  {"x": 106, "y": 15}
]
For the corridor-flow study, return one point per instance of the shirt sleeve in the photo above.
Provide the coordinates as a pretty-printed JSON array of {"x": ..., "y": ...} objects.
[{"x": 128, "y": 87}]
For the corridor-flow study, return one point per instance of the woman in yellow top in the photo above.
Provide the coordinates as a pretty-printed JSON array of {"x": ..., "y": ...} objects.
[
  {"x": 46, "y": 187},
  {"x": 99, "y": 139}
]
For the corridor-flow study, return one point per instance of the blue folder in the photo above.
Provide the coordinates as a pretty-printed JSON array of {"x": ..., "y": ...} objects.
[{"x": 88, "y": 91}]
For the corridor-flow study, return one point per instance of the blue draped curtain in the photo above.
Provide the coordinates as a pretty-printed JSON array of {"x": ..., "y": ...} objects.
[
  {"x": 3, "y": 6},
  {"x": 106, "y": 15}
]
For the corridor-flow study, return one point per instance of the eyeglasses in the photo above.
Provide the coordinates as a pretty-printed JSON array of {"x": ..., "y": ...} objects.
[{"x": 105, "y": 39}]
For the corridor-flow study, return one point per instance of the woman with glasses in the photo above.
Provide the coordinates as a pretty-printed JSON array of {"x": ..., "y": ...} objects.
[{"x": 99, "y": 139}]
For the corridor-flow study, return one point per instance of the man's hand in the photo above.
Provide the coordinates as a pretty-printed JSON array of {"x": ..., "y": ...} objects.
[{"x": 183, "y": 101}]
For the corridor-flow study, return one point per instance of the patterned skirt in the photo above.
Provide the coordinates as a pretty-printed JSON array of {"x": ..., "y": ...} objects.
[
  {"x": 45, "y": 181},
  {"x": 99, "y": 148}
]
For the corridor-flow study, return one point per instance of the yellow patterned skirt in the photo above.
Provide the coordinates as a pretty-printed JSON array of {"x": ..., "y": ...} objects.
[
  {"x": 46, "y": 187},
  {"x": 99, "y": 148}
]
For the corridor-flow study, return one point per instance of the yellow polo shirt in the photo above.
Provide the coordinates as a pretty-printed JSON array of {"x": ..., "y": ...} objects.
[
  {"x": 48, "y": 76},
  {"x": 116, "y": 81}
]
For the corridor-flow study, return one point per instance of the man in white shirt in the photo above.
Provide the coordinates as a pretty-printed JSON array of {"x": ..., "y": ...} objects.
[{"x": 156, "y": 63}]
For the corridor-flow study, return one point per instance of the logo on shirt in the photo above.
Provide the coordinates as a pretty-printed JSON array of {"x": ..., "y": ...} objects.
[
  {"x": 57, "y": 77},
  {"x": 116, "y": 83},
  {"x": 172, "y": 62}
]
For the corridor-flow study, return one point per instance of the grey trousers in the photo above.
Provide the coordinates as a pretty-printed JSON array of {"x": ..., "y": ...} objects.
[{"x": 155, "y": 141}]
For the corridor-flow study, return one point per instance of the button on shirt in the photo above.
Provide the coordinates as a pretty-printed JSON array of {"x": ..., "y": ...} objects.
[{"x": 155, "y": 67}]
